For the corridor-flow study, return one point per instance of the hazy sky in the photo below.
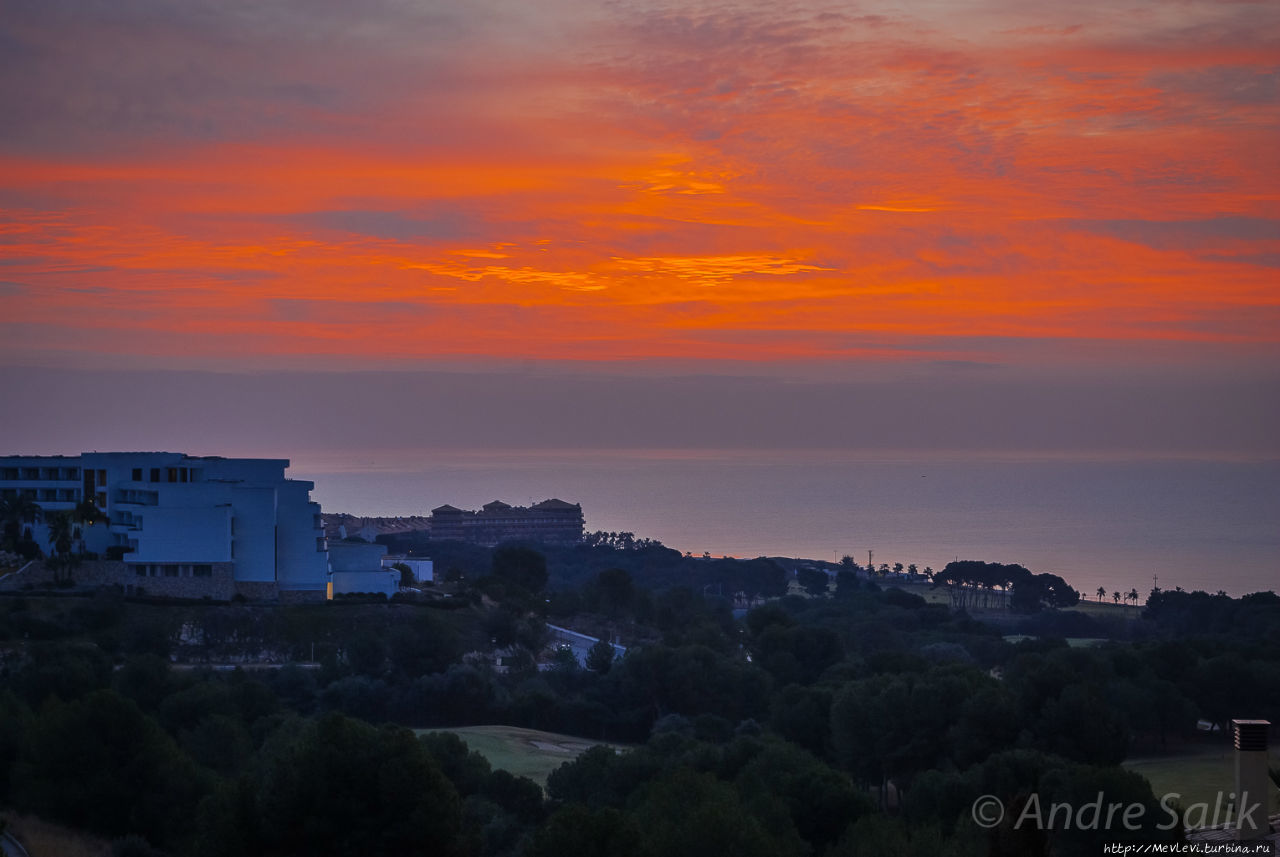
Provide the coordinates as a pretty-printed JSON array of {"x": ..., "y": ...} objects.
[{"x": 963, "y": 225}]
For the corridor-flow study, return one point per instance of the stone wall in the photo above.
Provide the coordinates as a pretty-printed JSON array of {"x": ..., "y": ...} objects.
[
  {"x": 91, "y": 574},
  {"x": 257, "y": 590},
  {"x": 219, "y": 585},
  {"x": 303, "y": 596}
]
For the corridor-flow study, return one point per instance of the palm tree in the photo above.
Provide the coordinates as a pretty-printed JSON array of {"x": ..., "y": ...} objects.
[
  {"x": 60, "y": 535},
  {"x": 86, "y": 514},
  {"x": 1133, "y": 596},
  {"x": 15, "y": 512},
  {"x": 1102, "y": 592},
  {"x": 1115, "y": 596}
]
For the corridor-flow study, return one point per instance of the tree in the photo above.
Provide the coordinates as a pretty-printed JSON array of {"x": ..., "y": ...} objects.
[
  {"x": 521, "y": 566},
  {"x": 60, "y": 538},
  {"x": 688, "y": 814},
  {"x": 406, "y": 574},
  {"x": 340, "y": 786},
  {"x": 813, "y": 581},
  {"x": 1115, "y": 597},
  {"x": 1102, "y": 592},
  {"x": 15, "y": 513},
  {"x": 101, "y": 764},
  {"x": 59, "y": 524},
  {"x": 1133, "y": 596},
  {"x": 87, "y": 514},
  {"x": 616, "y": 590},
  {"x": 582, "y": 832},
  {"x": 600, "y": 657}
]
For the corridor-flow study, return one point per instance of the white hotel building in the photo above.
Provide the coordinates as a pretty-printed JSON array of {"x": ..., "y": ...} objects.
[{"x": 236, "y": 521}]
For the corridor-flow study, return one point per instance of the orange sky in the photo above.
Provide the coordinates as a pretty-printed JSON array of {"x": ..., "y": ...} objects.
[{"x": 222, "y": 184}]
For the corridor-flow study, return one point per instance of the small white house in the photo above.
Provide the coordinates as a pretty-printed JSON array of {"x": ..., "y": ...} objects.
[{"x": 356, "y": 567}]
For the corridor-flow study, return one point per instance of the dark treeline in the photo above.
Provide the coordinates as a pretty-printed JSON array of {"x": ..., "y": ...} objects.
[
  {"x": 571, "y": 566},
  {"x": 972, "y": 584},
  {"x": 865, "y": 722}
]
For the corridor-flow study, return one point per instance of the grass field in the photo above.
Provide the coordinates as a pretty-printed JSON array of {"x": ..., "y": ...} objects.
[
  {"x": 1198, "y": 775},
  {"x": 1107, "y": 609},
  {"x": 523, "y": 752}
]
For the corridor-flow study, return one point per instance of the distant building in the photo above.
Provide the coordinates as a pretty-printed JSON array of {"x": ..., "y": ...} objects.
[
  {"x": 187, "y": 526},
  {"x": 358, "y": 567},
  {"x": 551, "y": 522},
  {"x": 580, "y": 644}
]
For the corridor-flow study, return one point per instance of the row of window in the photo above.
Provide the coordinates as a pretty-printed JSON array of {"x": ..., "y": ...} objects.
[
  {"x": 41, "y": 495},
  {"x": 38, "y": 474},
  {"x": 171, "y": 569},
  {"x": 166, "y": 474},
  {"x": 138, "y": 498}
]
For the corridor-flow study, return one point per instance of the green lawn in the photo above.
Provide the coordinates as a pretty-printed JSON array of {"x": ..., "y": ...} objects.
[
  {"x": 1198, "y": 775},
  {"x": 1106, "y": 609},
  {"x": 523, "y": 752}
]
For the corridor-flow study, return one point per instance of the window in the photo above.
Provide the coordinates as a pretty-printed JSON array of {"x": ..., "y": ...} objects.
[
  {"x": 172, "y": 473},
  {"x": 137, "y": 474},
  {"x": 140, "y": 570},
  {"x": 155, "y": 474},
  {"x": 182, "y": 474},
  {"x": 202, "y": 570},
  {"x": 170, "y": 571}
]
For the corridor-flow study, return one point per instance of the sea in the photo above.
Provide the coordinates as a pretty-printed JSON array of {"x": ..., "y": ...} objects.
[{"x": 1119, "y": 523}]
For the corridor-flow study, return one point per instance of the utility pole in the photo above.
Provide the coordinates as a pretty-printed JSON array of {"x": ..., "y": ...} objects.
[{"x": 870, "y": 554}]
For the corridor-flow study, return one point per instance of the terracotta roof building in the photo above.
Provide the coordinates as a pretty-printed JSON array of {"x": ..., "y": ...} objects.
[{"x": 551, "y": 521}]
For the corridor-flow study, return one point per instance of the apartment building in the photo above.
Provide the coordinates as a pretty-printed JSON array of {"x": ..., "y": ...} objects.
[
  {"x": 552, "y": 521},
  {"x": 236, "y": 521}
]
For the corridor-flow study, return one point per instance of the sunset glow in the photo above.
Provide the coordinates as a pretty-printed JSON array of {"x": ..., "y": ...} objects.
[{"x": 744, "y": 182}]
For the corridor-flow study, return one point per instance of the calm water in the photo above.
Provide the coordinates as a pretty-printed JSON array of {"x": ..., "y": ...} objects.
[{"x": 1197, "y": 524}]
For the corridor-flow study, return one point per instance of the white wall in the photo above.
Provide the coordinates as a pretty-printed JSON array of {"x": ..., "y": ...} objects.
[
  {"x": 356, "y": 556},
  {"x": 254, "y": 533},
  {"x": 301, "y": 564},
  {"x": 183, "y": 535},
  {"x": 345, "y": 582}
]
